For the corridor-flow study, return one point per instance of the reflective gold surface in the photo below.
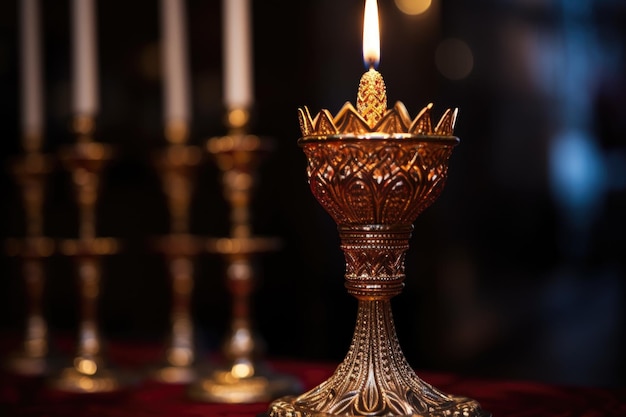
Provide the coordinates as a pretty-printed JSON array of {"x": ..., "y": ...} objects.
[{"x": 374, "y": 175}]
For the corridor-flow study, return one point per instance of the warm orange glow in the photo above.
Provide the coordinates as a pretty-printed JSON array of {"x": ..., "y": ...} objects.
[
  {"x": 371, "y": 34},
  {"x": 413, "y": 7}
]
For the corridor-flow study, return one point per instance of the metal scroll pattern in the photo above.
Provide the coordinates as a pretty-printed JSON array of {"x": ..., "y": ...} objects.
[{"x": 380, "y": 182}]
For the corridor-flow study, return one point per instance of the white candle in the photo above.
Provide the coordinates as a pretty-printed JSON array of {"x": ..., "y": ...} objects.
[
  {"x": 237, "y": 63},
  {"x": 85, "y": 88},
  {"x": 174, "y": 62},
  {"x": 31, "y": 81}
]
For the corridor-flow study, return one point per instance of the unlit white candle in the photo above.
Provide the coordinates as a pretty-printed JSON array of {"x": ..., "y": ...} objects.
[
  {"x": 31, "y": 78},
  {"x": 85, "y": 88},
  {"x": 174, "y": 62},
  {"x": 237, "y": 53}
]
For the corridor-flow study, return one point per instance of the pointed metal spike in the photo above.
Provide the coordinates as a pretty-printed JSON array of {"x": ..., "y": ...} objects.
[{"x": 306, "y": 124}]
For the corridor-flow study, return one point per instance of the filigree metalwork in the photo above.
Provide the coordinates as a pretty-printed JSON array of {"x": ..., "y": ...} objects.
[
  {"x": 371, "y": 100},
  {"x": 374, "y": 180},
  {"x": 375, "y": 379},
  {"x": 394, "y": 122}
]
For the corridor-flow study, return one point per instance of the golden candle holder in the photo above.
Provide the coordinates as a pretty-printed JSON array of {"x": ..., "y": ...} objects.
[
  {"x": 374, "y": 171},
  {"x": 88, "y": 371},
  {"x": 244, "y": 377},
  {"x": 176, "y": 165},
  {"x": 30, "y": 171}
]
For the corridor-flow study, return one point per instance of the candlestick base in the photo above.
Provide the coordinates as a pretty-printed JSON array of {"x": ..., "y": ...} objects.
[
  {"x": 243, "y": 382},
  {"x": 72, "y": 379}
]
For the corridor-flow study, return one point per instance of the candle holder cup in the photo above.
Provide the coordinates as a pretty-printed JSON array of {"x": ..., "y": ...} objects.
[{"x": 374, "y": 179}]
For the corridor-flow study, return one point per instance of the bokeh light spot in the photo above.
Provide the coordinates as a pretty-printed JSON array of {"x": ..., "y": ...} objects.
[
  {"x": 413, "y": 7},
  {"x": 454, "y": 59}
]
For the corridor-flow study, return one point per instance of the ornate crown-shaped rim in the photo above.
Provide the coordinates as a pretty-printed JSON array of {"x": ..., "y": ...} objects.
[{"x": 396, "y": 122}]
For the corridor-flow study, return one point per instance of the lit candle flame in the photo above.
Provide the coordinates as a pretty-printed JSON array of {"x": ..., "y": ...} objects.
[
  {"x": 371, "y": 34},
  {"x": 371, "y": 100}
]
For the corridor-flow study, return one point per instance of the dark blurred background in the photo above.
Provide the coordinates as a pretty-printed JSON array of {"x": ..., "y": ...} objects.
[{"x": 518, "y": 269}]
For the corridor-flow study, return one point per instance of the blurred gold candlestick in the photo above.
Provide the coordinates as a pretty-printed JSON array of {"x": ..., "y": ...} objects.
[
  {"x": 30, "y": 171},
  {"x": 177, "y": 166},
  {"x": 244, "y": 377},
  {"x": 85, "y": 161}
]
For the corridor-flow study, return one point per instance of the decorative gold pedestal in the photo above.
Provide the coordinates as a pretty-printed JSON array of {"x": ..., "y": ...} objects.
[
  {"x": 244, "y": 377},
  {"x": 30, "y": 171},
  {"x": 374, "y": 184}
]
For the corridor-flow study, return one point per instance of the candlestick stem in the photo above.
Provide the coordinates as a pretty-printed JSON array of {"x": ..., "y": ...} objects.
[
  {"x": 31, "y": 358},
  {"x": 243, "y": 377},
  {"x": 85, "y": 160},
  {"x": 30, "y": 171},
  {"x": 177, "y": 166}
]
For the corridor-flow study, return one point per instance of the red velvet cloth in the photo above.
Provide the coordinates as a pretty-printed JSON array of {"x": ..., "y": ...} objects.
[{"x": 23, "y": 396}]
